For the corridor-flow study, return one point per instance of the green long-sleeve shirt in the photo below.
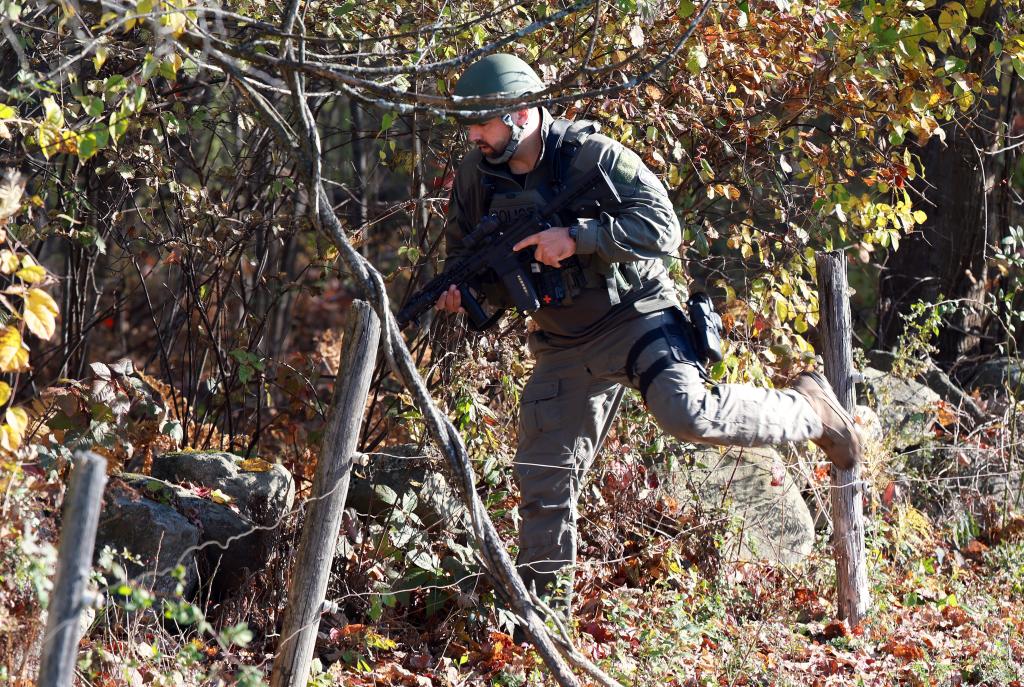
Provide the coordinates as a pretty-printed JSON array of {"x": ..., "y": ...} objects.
[{"x": 637, "y": 233}]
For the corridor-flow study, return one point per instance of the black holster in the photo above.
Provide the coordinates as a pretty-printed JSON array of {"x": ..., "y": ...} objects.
[{"x": 707, "y": 327}]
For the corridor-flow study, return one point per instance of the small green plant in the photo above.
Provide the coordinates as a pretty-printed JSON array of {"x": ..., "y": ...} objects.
[
  {"x": 1009, "y": 260},
  {"x": 168, "y": 638},
  {"x": 920, "y": 326}
]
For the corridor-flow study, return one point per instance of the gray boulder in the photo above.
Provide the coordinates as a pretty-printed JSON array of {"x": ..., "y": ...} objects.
[
  {"x": 399, "y": 470},
  {"x": 173, "y": 511},
  {"x": 905, "y": 407},
  {"x": 774, "y": 522},
  {"x": 1007, "y": 488},
  {"x": 237, "y": 536},
  {"x": 262, "y": 496},
  {"x": 999, "y": 374},
  {"x": 971, "y": 414},
  {"x": 154, "y": 532},
  {"x": 232, "y": 546}
]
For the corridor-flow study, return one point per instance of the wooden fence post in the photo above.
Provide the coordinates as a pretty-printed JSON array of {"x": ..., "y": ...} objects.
[
  {"x": 330, "y": 487},
  {"x": 77, "y": 540},
  {"x": 847, "y": 502}
]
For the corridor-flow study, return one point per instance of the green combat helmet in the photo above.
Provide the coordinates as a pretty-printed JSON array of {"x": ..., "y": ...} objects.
[{"x": 496, "y": 76}]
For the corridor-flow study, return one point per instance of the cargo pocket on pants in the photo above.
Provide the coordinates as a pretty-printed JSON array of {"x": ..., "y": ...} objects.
[{"x": 541, "y": 411}]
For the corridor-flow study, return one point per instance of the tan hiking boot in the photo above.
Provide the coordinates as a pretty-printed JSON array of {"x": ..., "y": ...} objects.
[{"x": 839, "y": 439}]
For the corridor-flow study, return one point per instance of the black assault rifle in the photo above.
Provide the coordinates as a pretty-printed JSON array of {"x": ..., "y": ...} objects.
[{"x": 491, "y": 258}]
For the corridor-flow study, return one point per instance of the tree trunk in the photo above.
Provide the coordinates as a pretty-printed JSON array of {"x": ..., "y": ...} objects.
[{"x": 946, "y": 258}]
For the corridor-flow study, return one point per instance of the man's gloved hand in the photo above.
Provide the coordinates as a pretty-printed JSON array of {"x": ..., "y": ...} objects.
[{"x": 552, "y": 246}]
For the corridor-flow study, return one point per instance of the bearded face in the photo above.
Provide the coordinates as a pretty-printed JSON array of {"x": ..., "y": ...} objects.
[{"x": 491, "y": 137}]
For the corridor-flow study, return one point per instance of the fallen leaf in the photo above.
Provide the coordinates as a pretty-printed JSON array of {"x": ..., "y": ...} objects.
[
  {"x": 904, "y": 650},
  {"x": 201, "y": 492},
  {"x": 339, "y": 633},
  {"x": 653, "y": 92},
  {"x": 601, "y": 633},
  {"x": 218, "y": 496},
  {"x": 974, "y": 549},
  {"x": 945, "y": 413},
  {"x": 889, "y": 494},
  {"x": 255, "y": 465},
  {"x": 954, "y": 615},
  {"x": 836, "y": 628}
]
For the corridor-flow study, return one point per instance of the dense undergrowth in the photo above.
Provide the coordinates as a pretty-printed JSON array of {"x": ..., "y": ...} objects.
[
  {"x": 662, "y": 598},
  {"x": 177, "y": 225}
]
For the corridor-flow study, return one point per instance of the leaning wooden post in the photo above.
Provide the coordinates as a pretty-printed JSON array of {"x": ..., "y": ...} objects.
[
  {"x": 77, "y": 539},
  {"x": 330, "y": 487},
  {"x": 847, "y": 503}
]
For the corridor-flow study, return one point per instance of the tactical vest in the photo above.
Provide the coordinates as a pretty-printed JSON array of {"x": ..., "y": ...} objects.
[{"x": 560, "y": 286}]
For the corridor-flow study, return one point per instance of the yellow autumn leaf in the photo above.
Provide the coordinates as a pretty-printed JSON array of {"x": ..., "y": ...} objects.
[
  {"x": 218, "y": 496},
  {"x": 32, "y": 275},
  {"x": 48, "y": 138},
  {"x": 54, "y": 116},
  {"x": 255, "y": 465},
  {"x": 5, "y": 392},
  {"x": 8, "y": 261},
  {"x": 13, "y": 432},
  {"x": 976, "y": 8},
  {"x": 175, "y": 21},
  {"x": 17, "y": 418},
  {"x": 9, "y": 440},
  {"x": 13, "y": 352},
  {"x": 40, "y": 313},
  {"x": 31, "y": 271},
  {"x": 953, "y": 18}
]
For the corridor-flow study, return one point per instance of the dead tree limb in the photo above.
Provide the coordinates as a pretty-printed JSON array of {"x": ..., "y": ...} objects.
[
  {"x": 70, "y": 594},
  {"x": 853, "y": 598},
  {"x": 312, "y": 567}
]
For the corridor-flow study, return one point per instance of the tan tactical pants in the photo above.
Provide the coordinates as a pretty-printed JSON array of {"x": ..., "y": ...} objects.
[{"x": 568, "y": 399}]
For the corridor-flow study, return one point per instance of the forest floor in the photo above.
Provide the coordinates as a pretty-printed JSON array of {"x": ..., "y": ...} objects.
[
  {"x": 940, "y": 615},
  {"x": 653, "y": 606}
]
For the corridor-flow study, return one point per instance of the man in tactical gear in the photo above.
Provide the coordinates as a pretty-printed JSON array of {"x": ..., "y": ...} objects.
[{"x": 616, "y": 320}]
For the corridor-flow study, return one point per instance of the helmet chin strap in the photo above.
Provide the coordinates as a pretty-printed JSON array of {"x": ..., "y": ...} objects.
[{"x": 513, "y": 143}]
